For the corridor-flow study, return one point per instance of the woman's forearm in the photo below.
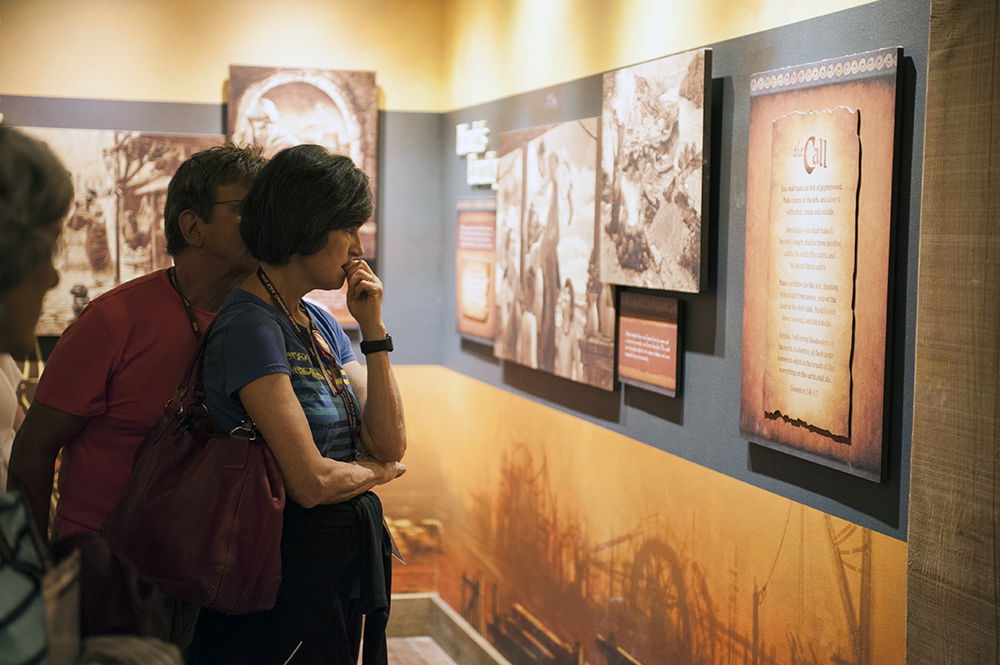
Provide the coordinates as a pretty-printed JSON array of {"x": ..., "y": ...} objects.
[
  {"x": 383, "y": 429},
  {"x": 340, "y": 481},
  {"x": 310, "y": 479}
]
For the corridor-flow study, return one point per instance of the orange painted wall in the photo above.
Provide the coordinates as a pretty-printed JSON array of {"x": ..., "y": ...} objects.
[{"x": 528, "y": 519}]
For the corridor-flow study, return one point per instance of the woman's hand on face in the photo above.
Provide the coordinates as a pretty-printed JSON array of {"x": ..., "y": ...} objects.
[{"x": 364, "y": 298}]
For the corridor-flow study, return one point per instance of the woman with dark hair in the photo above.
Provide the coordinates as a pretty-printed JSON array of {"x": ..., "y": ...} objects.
[{"x": 335, "y": 427}]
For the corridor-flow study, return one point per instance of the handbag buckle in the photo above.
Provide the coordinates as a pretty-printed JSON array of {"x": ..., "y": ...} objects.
[
  {"x": 176, "y": 403},
  {"x": 245, "y": 428},
  {"x": 194, "y": 412}
]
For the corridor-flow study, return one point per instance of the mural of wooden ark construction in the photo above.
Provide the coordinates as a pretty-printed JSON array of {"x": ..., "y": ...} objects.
[{"x": 564, "y": 543}]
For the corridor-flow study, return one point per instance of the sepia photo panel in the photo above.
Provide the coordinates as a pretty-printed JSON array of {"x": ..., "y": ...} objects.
[
  {"x": 653, "y": 178},
  {"x": 554, "y": 311},
  {"x": 114, "y": 232}
]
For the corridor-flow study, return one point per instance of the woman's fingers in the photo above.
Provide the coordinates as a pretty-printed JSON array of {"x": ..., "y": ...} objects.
[{"x": 362, "y": 280}]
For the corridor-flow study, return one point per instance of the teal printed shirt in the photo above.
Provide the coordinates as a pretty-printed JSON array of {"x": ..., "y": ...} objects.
[{"x": 251, "y": 339}]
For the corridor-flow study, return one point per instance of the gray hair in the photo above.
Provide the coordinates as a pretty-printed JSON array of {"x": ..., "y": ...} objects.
[
  {"x": 194, "y": 185},
  {"x": 35, "y": 194}
]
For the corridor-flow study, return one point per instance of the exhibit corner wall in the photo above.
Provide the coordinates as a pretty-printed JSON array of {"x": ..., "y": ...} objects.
[
  {"x": 652, "y": 517},
  {"x": 701, "y": 424},
  {"x": 627, "y": 526}
]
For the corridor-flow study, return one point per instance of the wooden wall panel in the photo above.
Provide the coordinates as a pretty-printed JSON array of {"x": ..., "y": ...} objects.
[{"x": 953, "y": 585}]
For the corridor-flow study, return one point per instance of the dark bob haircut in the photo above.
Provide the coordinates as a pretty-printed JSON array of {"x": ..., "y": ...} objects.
[{"x": 301, "y": 195}]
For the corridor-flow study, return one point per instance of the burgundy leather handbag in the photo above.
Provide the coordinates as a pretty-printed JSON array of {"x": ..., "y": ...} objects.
[{"x": 201, "y": 513}]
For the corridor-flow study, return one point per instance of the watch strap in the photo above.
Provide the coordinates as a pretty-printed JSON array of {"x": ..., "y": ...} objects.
[{"x": 374, "y": 346}]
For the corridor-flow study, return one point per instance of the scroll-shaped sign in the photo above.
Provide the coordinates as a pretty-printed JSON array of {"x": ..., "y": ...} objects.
[
  {"x": 817, "y": 270},
  {"x": 815, "y": 159}
]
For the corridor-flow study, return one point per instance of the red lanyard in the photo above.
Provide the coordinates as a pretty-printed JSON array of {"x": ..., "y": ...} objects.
[{"x": 318, "y": 349}]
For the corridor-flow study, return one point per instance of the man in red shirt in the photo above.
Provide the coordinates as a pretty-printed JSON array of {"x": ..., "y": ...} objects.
[{"x": 114, "y": 368}]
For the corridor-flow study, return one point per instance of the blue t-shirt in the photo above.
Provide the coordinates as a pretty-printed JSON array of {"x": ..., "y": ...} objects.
[{"x": 251, "y": 339}]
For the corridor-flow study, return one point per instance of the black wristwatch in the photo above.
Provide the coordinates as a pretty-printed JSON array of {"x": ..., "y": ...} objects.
[{"x": 377, "y": 345}]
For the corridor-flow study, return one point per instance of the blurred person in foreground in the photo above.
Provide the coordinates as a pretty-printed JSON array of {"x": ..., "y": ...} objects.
[
  {"x": 35, "y": 197},
  {"x": 335, "y": 427}
]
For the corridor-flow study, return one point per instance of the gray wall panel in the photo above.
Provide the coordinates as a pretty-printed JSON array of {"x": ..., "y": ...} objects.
[
  {"x": 412, "y": 232},
  {"x": 162, "y": 117}
]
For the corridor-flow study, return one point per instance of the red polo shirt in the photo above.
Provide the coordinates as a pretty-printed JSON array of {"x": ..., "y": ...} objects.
[{"x": 117, "y": 365}]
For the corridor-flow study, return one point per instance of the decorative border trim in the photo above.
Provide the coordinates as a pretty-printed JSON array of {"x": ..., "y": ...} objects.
[{"x": 882, "y": 62}]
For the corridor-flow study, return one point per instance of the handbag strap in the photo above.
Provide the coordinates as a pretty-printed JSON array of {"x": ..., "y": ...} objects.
[
  {"x": 191, "y": 380},
  {"x": 196, "y": 407},
  {"x": 9, "y": 557},
  {"x": 193, "y": 371}
]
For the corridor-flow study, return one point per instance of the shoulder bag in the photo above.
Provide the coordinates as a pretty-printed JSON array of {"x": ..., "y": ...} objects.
[{"x": 201, "y": 513}]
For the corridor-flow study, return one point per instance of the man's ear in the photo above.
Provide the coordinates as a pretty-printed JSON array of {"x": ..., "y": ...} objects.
[{"x": 191, "y": 228}]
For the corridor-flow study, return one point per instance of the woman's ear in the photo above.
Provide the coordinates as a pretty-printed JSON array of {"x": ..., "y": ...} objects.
[{"x": 191, "y": 228}]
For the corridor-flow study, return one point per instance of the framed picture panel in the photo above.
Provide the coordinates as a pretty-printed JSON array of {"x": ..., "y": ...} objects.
[
  {"x": 114, "y": 232},
  {"x": 818, "y": 230},
  {"x": 649, "y": 341},
  {"x": 654, "y": 176},
  {"x": 475, "y": 269},
  {"x": 277, "y": 108},
  {"x": 554, "y": 312}
]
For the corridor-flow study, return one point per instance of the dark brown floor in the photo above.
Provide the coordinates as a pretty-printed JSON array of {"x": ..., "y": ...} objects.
[{"x": 416, "y": 651}]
